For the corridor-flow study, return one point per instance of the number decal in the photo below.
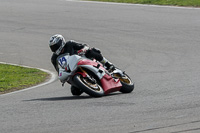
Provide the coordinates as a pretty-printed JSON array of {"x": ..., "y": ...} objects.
[{"x": 62, "y": 61}]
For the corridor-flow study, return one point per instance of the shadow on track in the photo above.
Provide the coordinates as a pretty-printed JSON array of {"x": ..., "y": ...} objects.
[
  {"x": 69, "y": 98},
  {"x": 61, "y": 98}
]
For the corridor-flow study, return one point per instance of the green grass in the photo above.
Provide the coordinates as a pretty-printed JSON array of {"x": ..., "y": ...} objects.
[
  {"x": 193, "y": 3},
  {"x": 15, "y": 77}
]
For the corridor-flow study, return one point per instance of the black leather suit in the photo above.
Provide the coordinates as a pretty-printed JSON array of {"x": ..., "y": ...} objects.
[{"x": 73, "y": 47}]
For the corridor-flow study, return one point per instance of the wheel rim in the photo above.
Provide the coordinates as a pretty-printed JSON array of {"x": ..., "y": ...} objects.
[
  {"x": 124, "y": 79},
  {"x": 93, "y": 86}
]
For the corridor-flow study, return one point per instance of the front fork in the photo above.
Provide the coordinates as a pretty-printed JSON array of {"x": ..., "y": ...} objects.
[
  {"x": 85, "y": 75},
  {"x": 81, "y": 72}
]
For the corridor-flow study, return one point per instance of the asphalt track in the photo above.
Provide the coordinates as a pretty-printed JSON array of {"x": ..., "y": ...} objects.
[{"x": 157, "y": 46}]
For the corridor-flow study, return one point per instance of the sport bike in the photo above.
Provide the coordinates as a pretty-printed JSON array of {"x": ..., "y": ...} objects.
[{"x": 89, "y": 76}]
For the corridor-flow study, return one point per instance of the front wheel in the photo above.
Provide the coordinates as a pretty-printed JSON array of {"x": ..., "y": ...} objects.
[{"x": 91, "y": 88}]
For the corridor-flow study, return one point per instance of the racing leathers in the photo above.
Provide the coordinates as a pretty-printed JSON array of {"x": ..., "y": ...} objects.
[{"x": 73, "y": 47}]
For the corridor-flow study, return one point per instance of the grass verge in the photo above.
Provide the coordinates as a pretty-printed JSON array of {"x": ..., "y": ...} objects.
[
  {"x": 16, "y": 77},
  {"x": 189, "y": 3}
]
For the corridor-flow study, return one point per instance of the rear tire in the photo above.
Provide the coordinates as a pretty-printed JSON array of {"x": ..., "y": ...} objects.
[
  {"x": 92, "y": 89},
  {"x": 127, "y": 84}
]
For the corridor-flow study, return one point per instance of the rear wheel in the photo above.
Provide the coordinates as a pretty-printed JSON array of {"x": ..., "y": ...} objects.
[
  {"x": 127, "y": 84},
  {"x": 88, "y": 85}
]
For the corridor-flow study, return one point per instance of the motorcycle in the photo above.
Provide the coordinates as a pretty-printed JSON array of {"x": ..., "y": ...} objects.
[{"x": 90, "y": 76}]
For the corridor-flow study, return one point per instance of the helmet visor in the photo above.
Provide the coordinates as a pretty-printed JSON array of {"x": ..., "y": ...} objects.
[{"x": 54, "y": 47}]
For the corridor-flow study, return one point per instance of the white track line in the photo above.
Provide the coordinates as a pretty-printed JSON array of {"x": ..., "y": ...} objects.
[
  {"x": 53, "y": 78},
  {"x": 115, "y": 3}
]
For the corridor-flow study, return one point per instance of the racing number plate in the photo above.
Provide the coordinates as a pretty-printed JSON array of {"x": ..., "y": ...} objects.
[{"x": 62, "y": 61}]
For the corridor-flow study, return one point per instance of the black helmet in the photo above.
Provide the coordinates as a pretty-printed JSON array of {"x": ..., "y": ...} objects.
[{"x": 57, "y": 43}]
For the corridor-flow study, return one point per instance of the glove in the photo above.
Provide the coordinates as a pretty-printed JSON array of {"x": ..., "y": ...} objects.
[{"x": 83, "y": 50}]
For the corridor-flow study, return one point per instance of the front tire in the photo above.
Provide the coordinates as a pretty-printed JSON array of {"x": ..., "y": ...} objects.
[{"x": 92, "y": 89}]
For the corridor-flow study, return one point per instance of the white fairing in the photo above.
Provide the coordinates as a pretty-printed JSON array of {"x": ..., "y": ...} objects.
[
  {"x": 68, "y": 65},
  {"x": 69, "y": 62},
  {"x": 63, "y": 75},
  {"x": 73, "y": 60}
]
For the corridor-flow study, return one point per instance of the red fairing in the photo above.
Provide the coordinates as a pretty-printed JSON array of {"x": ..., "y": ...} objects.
[
  {"x": 109, "y": 84},
  {"x": 89, "y": 62}
]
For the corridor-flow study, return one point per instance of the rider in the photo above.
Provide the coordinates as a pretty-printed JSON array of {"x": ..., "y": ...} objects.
[{"x": 59, "y": 46}]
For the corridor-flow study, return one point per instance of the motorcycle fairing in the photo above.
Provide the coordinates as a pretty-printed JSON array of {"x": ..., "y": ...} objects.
[
  {"x": 108, "y": 83},
  {"x": 90, "y": 62},
  {"x": 95, "y": 67}
]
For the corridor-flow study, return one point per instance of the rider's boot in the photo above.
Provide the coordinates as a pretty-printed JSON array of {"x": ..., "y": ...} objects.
[
  {"x": 76, "y": 91},
  {"x": 108, "y": 65}
]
